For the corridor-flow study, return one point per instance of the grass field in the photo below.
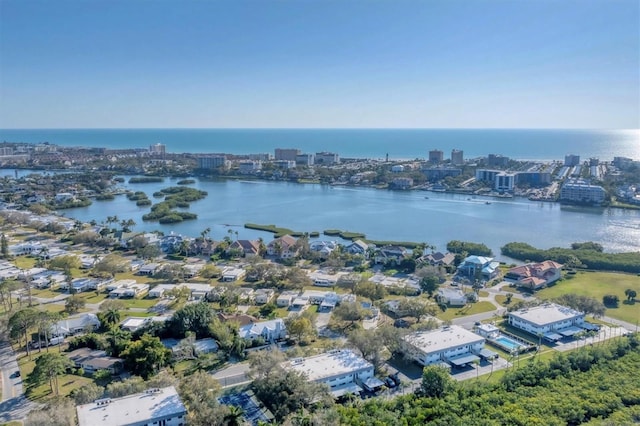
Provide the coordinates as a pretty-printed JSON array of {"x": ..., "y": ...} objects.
[
  {"x": 596, "y": 285},
  {"x": 66, "y": 382},
  {"x": 474, "y": 308},
  {"x": 139, "y": 303}
]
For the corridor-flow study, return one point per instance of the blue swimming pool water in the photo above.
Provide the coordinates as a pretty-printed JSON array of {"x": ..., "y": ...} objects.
[{"x": 508, "y": 343}]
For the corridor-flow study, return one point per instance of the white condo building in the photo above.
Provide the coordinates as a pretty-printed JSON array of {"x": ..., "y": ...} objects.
[
  {"x": 450, "y": 344},
  {"x": 341, "y": 369},
  {"x": 549, "y": 320},
  {"x": 154, "y": 407}
]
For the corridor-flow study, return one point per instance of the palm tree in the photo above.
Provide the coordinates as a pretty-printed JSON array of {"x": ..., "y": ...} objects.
[
  {"x": 234, "y": 416},
  {"x": 111, "y": 316}
]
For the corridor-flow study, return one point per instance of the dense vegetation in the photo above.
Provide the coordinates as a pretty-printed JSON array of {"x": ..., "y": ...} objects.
[
  {"x": 146, "y": 179},
  {"x": 584, "y": 255},
  {"x": 477, "y": 249},
  {"x": 587, "y": 385},
  {"x": 174, "y": 197}
]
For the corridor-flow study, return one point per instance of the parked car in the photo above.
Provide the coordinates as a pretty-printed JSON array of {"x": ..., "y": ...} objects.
[
  {"x": 15, "y": 374},
  {"x": 389, "y": 382}
]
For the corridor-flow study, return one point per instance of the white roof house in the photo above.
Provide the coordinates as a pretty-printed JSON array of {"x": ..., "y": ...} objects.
[
  {"x": 154, "y": 406},
  {"x": 548, "y": 319},
  {"x": 73, "y": 325},
  {"x": 447, "y": 344},
  {"x": 269, "y": 330},
  {"x": 342, "y": 370},
  {"x": 161, "y": 289}
]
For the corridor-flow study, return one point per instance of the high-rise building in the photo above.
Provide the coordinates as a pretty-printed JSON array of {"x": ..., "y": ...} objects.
[
  {"x": 158, "y": 149},
  {"x": 436, "y": 156},
  {"x": 288, "y": 154},
  {"x": 457, "y": 157},
  {"x": 327, "y": 158},
  {"x": 212, "y": 162},
  {"x": 571, "y": 160}
]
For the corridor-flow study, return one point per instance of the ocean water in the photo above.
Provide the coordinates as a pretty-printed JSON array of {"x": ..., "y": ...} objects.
[{"x": 358, "y": 143}]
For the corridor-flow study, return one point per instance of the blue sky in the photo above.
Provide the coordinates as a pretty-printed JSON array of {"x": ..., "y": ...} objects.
[{"x": 312, "y": 63}]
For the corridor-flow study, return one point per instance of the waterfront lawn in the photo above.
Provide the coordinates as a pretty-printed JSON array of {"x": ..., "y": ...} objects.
[
  {"x": 596, "y": 285},
  {"x": 471, "y": 309}
]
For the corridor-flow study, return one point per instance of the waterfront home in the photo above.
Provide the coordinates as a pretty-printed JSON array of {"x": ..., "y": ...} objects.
[
  {"x": 389, "y": 253},
  {"x": 534, "y": 276},
  {"x": 323, "y": 248},
  {"x": 270, "y": 331},
  {"x": 248, "y": 248},
  {"x": 479, "y": 267},
  {"x": 450, "y": 344},
  {"x": 157, "y": 406},
  {"x": 75, "y": 325},
  {"x": 92, "y": 361},
  {"x": 283, "y": 247},
  {"x": 357, "y": 247},
  {"x": 340, "y": 369},
  {"x": 439, "y": 258},
  {"x": 551, "y": 321}
]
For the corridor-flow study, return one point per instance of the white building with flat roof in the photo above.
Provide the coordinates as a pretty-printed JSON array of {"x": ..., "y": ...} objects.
[
  {"x": 452, "y": 344},
  {"x": 551, "y": 320},
  {"x": 341, "y": 369},
  {"x": 161, "y": 407}
]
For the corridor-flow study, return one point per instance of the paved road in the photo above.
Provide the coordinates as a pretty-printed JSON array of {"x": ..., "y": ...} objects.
[{"x": 14, "y": 405}]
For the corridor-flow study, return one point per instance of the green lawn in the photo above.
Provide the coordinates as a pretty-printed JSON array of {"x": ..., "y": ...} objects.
[
  {"x": 24, "y": 262},
  {"x": 91, "y": 297},
  {"x": 139, "y": 303},
  {"x": 596, "y": 285},
  {"x": 471, "y": 309},
  {"x": 66, "y": 382},
  {"x": 483, "y": 293}
]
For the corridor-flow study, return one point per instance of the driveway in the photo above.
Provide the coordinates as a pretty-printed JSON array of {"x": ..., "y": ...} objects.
[{"x": 14, "y": 405}]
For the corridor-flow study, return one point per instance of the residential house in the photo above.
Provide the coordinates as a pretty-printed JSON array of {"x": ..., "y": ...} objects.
[
  {"x": 264, "y": 295},
  {"x": 92, "y": 361},
  {"x": 162, "y": 407},
  {"x": 149, "y": 269},
  {"x": 240, "y": 319},
  {"x": 341, "y": 369},
  {"x": 205, "y": 346},
  {"x": 134, "y": 323},
  {"x": 270, "y": 331},
  {"x": 535, "y": 276},
  {"x": 248, "y": 248},
  {"x": 283, "y": 247},
  {"x": 192, "y": 270},
  {"x": 357, "y": 247},
  {"x": 74, "y": 325},
  {"x": 160, "y": 290},
  {"x": 323, "y": 248},
  {"x": 551, "y": 321},
  {"x": 286, "y": 298},
  {"x": 129, "y": 291},
  {"x": 479, "y": 267},
  {"x": 439, "y": 258},
  {"x": 451, "y": 297},
  {"x": 391, "y": 253},
  {"x": 231, "y": 274},
  {"x": 453, "y": 344}
]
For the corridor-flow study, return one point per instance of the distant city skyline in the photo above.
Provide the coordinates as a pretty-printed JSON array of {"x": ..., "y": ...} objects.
[{"x": 328, "y": 64}]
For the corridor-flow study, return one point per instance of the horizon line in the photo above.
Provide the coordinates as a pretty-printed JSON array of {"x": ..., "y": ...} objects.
[{"x": 320, "y": 128}]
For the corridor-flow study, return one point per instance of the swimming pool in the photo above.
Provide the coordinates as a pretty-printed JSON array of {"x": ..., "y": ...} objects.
[{"x": 508, "y": 343}]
